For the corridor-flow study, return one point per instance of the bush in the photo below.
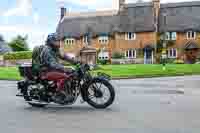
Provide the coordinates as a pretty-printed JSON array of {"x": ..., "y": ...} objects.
[
  {"x": 178, "y": 62},
  {"x": 167, "y": 61},
  {"x": 117, "y": 55},
  {"x": 102, "y": 62},
  {"x": 18, "y": 55}
]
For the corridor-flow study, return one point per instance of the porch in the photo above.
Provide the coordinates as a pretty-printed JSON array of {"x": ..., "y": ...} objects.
[{"x": 191, "y": 51}]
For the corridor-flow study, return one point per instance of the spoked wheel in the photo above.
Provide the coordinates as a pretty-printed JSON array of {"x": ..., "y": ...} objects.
[{"x": 100, "y": 94}]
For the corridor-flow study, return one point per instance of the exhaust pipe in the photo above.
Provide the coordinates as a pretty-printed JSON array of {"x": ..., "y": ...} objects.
[{"x": 19, "y": 95}]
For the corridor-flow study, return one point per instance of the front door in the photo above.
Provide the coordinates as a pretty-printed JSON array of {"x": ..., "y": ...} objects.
[{"x": 148, "y": 57}]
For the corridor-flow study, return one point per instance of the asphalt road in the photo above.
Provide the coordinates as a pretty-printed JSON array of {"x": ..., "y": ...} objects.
[{"x": 155, "y": 105}]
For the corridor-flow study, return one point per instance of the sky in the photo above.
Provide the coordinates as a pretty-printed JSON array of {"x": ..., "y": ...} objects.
[{"x": 38, "y": 18}]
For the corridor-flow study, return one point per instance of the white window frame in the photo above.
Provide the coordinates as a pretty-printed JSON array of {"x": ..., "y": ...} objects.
[
  {"x": 103, "y": 39},
  {"x": 134, "y": 54},
  {"x": 103, "y": 55},
  {"x": 170, "y": 35},
  {"x": 130, "y": 36},
  {"x": 189, "y": 35},
  {"x": 69, "y": 41},
  {"x": 172, "y": 51},
  {"x": 85, "y": 39},
  {"x": 173, "y": 35}
]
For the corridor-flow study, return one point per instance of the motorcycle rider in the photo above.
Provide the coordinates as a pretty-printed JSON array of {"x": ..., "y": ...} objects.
[
  {"x": 50, "y": 55},
  {"x": 49, "y": 59}
]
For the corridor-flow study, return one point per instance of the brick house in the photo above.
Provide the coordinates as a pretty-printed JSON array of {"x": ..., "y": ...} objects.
[{"x": 135, "y": 30}]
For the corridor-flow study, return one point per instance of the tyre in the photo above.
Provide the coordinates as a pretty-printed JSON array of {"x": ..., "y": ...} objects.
[{"x": 95, "y": 93}]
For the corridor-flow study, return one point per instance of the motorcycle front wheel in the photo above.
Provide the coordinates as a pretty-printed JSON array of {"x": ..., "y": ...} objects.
[{"x": 100, "y": 94}]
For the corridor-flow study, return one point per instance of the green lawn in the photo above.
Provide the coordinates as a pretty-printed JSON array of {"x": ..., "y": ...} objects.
[
  {"x": 125, "y": 71},
  {"x": 132, "y": 71},
  {"x": 10, "y": 73}
]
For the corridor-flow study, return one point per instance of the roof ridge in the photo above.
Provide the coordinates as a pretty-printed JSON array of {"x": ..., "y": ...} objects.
[{"x": 90, "y": 14}]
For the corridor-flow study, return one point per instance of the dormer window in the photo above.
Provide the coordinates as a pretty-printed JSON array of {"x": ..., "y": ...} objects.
[
  {"x": 69, "y": 41},
  {"x": 130, "y": 36},
  {"x": 191, "y": 35},
  {"x": 103, "y": 39},
  {"x": 170, "y": 35}
]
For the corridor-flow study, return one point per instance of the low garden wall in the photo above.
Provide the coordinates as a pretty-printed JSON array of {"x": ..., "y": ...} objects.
[
  {"x": 127, "y": 61},
  {"x": 16, "y": 58},
  {"x": 9, "y": 63}
]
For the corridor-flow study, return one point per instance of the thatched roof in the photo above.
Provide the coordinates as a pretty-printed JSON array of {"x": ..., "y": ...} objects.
[{"x": 135, "y": 18}]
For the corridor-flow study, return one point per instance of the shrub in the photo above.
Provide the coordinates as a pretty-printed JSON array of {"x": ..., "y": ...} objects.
[
  {"x": 18, "y": 55},
  {"x": 102, "y": 62},
  {"x": 117, "y": 55},
  {"x": 178, "y": 62}
]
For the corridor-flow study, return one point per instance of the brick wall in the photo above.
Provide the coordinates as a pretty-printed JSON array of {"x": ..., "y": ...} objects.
[
  {"x": 117, "y": 43},
  {"x": 181, "y": 40}
]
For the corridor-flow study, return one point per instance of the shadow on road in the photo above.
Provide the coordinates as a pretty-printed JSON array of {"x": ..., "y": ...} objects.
[{"x": 67, "y": 109}]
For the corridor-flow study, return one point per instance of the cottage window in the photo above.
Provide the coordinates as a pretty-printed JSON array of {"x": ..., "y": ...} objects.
[
  {"x": 103, "y": 39},
  {"x": 103, "y": 55},
  {"x": 85, "y": 40},
  {"x": 130, "y": 36},
  {"x": 170, "y": 35},
  {"x": 69, "y": 41},
  {"x": 172, "y": 53},
  {"x": 130, "y": 54},
  {"x": 191, "y": 35}
]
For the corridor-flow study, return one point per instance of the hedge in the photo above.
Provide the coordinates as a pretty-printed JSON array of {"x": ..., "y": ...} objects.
[{"x": 18, "y": 55}]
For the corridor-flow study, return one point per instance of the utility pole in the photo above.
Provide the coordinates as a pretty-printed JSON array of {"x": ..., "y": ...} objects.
[{"x": 164, "y": 52}]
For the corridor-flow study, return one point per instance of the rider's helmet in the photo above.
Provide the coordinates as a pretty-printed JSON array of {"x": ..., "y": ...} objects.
[{"x": 52, "y": 41}]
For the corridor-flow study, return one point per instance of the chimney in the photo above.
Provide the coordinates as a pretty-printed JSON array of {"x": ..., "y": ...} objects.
[
  {"x": 121, "y": 5},
  {"x": 156, "y": 10},
  {"x": 62, "y": 12}
]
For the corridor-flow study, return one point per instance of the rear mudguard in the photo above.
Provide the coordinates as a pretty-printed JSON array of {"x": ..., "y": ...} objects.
[
  {"x": 87, "y": 84},
  {"x": 22, "y": 86}
]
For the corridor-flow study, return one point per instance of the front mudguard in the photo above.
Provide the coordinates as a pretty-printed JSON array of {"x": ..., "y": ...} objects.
[{"x": 22, "y": 85}]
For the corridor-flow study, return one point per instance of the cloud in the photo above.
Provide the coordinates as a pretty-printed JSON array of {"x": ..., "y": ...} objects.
[
  {"x": 23, "y": 8},
  {"x": 36, "y": 18},
  {"x": 36, "y": 36}
]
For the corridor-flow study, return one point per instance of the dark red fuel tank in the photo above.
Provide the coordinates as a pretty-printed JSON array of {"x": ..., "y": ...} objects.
[{"x": 55, "y": 76}]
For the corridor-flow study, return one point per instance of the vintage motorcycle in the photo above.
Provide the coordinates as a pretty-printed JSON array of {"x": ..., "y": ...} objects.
[{"x": 52, "y": 88}]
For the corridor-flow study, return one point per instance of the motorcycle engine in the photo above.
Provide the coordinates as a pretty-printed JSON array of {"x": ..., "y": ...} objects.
[
  {"x": 60, "y": 97},
  {"x": 36, "y": 91}
]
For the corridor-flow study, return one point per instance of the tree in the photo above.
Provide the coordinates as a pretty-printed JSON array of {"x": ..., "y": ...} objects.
[
  {"x": 19, "y": 43},
  {"x": 4, "y": 48},
  {"x": 1, "y": 38}
]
